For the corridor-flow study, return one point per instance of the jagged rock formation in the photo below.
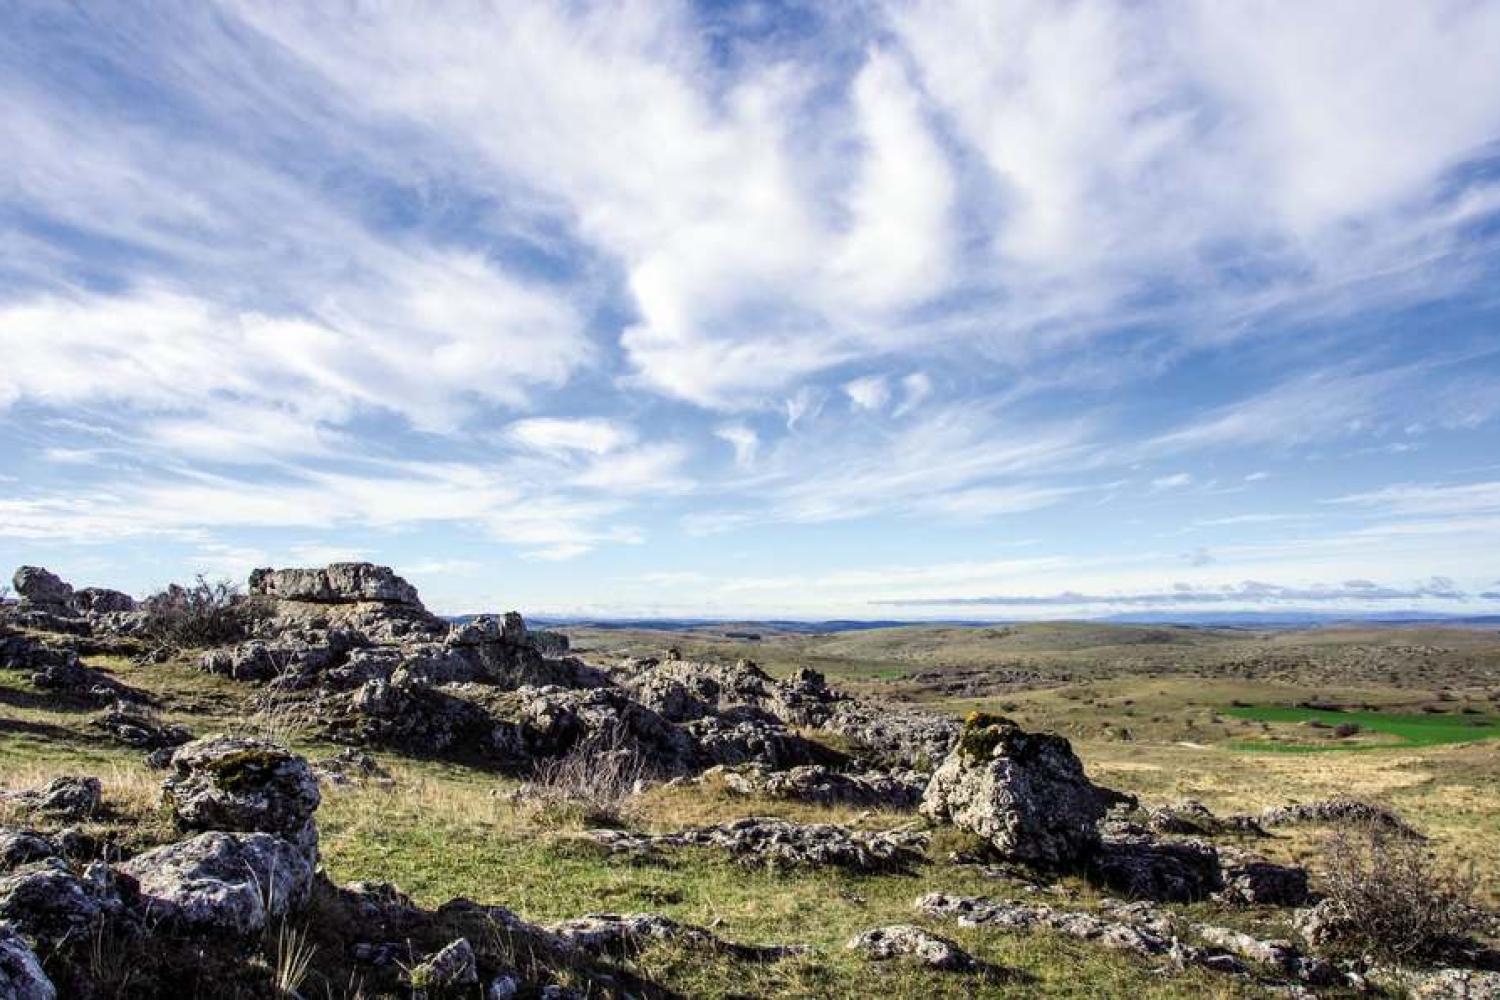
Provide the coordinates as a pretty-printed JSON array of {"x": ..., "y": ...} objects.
[
  {"x": 822, "y": 785},
  {"x": 1025, "y": 793},
  {"x": 622, "y": 936},
  {"x": 244, "y": 786},
  {"x": 222, "y": 884},
  {"x": 65, "y": 798}
]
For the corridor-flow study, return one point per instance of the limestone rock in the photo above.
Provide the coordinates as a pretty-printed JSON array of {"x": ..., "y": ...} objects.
[
  {"x": 1177, "y": 872},
  {"x": 222, "y": 883},
  {"x": 822, "y": 785},
  {"x": 908, "y": 940},
  {"x": 243, "y": 785},
  {"x": 1025, "y": 793},
  {"x": 1253, "y": 881},
  {"x": 1338, "y": 812},
  {"x": 49, "y": 902},
  {"x": 621, "y": 936},
  {"x": 135, "y": 726},
  {"x": 103, "y": 601},
  {"x": 20, "y": 847}
]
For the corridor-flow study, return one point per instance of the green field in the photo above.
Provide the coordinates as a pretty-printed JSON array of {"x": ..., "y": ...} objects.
[{"x": 1406, "y": 730}]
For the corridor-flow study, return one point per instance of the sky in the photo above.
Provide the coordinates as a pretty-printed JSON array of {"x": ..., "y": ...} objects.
[{"x": 982, "y": 309}]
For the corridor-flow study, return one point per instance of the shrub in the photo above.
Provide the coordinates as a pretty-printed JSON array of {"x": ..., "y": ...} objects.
[
  {"x": 593, "y": 783},
  {"x": 205, "y": 613},
  {"x": 1393, "y": 899}
]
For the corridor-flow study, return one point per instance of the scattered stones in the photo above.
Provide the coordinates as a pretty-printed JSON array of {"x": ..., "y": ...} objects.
[
  {"x": 351, "y": 767},
  {"x": 977, "y": 912},
  {"x": 103, "y": 601},
  {"x": 1339, "y": 812},
  {"x": 621, "y": 936},
  {"x": 65, "y": 798},
  {"x": 910, "y": 941},
  {"x": 822, "y": 785},
  {"x": 1025, "y": 793},
  {"x": 777, "y": 843},
  {"x": 222, "y": 883},
  {"x": 1457, "y": 984},
  {"x": 243, "y": 785},
  {"x": 21, "y": 975},
  {"x": 1279, "y": 955},
  {"x": 1192, "y": 818}
]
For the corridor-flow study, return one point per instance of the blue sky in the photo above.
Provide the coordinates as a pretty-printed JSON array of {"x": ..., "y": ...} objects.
[{"x": 870, "y": 310}]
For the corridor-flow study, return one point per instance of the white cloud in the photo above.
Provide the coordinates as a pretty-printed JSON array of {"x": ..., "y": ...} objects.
[
  {"x": 869, "y": 392},
  {"x": 744, "y": 441},
  {"x": 915, "y": 388},
  {"x": 1176, "y": 481},
  {"x": 594, "y": 435}
]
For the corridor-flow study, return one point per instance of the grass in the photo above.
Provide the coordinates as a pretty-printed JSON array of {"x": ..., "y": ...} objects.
[{"x": 1407, "y": 730}]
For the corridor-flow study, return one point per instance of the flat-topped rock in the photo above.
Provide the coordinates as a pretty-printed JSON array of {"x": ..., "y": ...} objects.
[{"x": 337, "y": 583}]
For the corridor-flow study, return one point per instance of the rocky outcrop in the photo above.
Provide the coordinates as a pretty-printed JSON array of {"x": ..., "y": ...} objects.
[
  {"x": 1025, "y": 793},
  {"x": 249, "y": 786},
  {"x": 911, "y": 942},
  {"x": 229, "y": 884},
  {"x": 103, "y": 601},
  {"x": 21, "y": 975},
  {"x": 1254, "y": 881},
  {"x": 1176, "y": 872},
  {"x": 20, "y": 847},
  {"x": 1189, "y": 817}
]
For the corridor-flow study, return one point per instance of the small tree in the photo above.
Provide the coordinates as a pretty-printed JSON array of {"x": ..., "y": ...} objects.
[
  {"x": 1392, "y": 898},
  {"x": 204, "y": 613}
]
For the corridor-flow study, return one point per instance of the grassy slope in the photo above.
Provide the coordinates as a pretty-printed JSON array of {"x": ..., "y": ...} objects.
[{"x": 448, "y": 831}]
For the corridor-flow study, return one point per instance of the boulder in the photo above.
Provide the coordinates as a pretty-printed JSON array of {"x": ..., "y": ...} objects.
[
  {"x": 338, "y": 583},
  {"x": 244, "y": 785},
  {"x": 222, "y": 883},
  {"x": 1025, "y": 793},
  {"x": 731, "y": 740},
  {"x": 1253, "y": 881},
  {"x": 21, "y": 975},
  {"x": 42, "y": 589},
  {"x": 910, "y": 941}
]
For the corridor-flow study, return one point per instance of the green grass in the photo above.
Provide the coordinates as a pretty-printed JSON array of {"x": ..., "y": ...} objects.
[{"x": 1408, "y": 730}]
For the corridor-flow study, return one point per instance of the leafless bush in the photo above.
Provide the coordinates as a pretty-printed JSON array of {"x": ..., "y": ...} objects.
[
  {"x": 204, "y": 613},
  {"x": 594, "y": 782},
  {"x": 1394, "y": 899}
]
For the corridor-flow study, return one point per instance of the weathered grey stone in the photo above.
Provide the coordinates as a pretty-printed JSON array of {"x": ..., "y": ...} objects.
[
  {"x": 1457, "y": 984},
  {"x": 70, "y": 797},
  {"x": 20, "y": 847},
  {"x": 21, "y": 974},
  {"x": 911, "y": 941},
  {"x": 244, "y": 785},
  {"x": 49, "y": 902},
  {"x": 1025, "y": 793},
  {"x": 41, "y": 588},
  {"x": 351, "y": 767},
  {"x": 449, "y": 970},
  {"x": 1252, "y": 881},
  {"x": 337, "y": 583},
  {"x": 222, "y": 883}
]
